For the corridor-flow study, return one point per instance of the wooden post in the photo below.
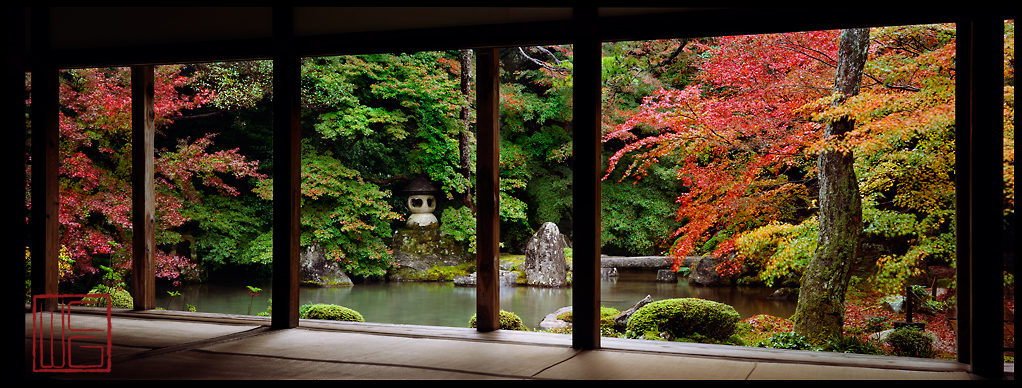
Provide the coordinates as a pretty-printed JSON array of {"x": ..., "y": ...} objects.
[
  {"x": 487, "y": 190},
  {"x": 45, "y": 244},
  {"x": 586, "y": 143},
  {"x": 287, "y": 140},
  {"x": 143, "y": 195},
  {"x": 963, "y": 188},
  {"x": 985, "y": 250},
  {"x": 13, "y": 159}
]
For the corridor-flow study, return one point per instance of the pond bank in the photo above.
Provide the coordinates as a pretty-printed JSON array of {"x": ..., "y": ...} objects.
[{"x": 443, "y": 304}]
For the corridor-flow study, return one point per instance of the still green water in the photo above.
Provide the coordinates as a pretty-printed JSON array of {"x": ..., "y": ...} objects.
[{"x": 443, "y": 304}]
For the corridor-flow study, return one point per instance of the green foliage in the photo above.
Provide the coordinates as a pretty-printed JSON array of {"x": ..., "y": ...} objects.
[
  {"x": 459, "y": 224},
  {"x": 119, "y": 297},
  {"x": 240, "y": 84},
  {"x": 253, "y": 291},
  {"x": 852, "y": 344},
  {"x": 909, "y": 341},
  {"x": 779, "y": 250},
  {"x": 683, "y": 317},
  {"x": 508, "y": 321},
  {"x": 875, "y": 324},
  {"x": 634, "y": 218},
  {"x": 303, "y": 310},
  {"x": 342, "y": 212},
  {"x": 788, "y": 340},
  {"x": 227, "y": 229},
  {"x": 330, "y": 312}
]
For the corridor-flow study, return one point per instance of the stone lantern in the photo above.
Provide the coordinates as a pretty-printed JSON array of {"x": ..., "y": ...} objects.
[{"x": 421, "y": 202}]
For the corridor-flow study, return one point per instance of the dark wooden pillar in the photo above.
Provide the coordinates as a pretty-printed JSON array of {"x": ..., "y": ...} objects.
[
  {"x": 287, "y": 139},
  {"x": 586, "y": 143},
  {"x": 980, "y": 194},
  {"x": 13, "y": 154},
  {"x": 45, "y": 244},
  {"x": 143, "y": 196},
  {"x": 963, "y": 186},
  {"x": 487, "y": 190}
]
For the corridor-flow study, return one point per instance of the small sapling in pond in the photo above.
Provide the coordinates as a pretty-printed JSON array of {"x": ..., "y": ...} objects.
[
  {"x": 173, "y": 294},
  {"x": 254, "y": 291}
]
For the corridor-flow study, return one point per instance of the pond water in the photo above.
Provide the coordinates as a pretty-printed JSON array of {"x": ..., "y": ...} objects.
[{"x": 443, "y": 304}]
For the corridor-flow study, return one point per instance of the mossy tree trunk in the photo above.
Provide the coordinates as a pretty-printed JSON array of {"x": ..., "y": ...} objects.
[
  {"x": 820, "y": 312},
  {"x": 465, "y": 138}
]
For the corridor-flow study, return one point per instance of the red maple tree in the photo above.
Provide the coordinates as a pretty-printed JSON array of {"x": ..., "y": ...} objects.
[
  {"x": 735, "y": 134},
  {"x": 95, "y": 166}
]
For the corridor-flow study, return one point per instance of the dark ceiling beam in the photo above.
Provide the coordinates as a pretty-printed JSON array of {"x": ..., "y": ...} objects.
[{"x": 687, "y": 23}]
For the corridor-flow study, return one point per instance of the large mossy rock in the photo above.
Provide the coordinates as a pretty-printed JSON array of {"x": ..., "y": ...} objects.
[
  {"x": 545, "y": 264},
  {"x": 684, "y": 317},
  {"x": 317, "y": 270},
  {"x": 418, "y": 250},
  {"x": 704, "y": 273}
]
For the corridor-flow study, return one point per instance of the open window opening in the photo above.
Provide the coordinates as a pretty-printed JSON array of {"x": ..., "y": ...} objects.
[{"x": 711, "y": 160}]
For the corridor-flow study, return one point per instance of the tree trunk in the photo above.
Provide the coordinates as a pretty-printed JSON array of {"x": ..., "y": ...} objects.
[
  {"x": 465, "y": 139},
  {"x": 820, "y": 312}
]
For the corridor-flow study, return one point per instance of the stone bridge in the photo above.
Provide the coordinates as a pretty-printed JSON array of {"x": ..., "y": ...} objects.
[
  {"x": 610, "y": 264},
  {"x": 643, "y": 261}
]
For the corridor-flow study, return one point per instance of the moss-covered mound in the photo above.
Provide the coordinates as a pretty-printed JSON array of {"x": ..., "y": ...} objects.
[
  {"x": 119, "y": 297},
  {"x": 330, "y": 312},
  {"x": 508, "y": 321},
  {"x": 684, "y": 317}
]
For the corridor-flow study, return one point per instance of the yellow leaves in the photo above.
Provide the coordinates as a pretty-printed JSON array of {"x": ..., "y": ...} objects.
[{"x": 780, "y": 248}]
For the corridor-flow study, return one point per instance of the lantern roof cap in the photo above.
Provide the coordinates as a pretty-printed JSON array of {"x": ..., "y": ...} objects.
[{"x": 421, "y": 185}]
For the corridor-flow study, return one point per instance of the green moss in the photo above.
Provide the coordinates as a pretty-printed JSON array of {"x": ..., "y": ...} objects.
[
  {"x": 119, "y": 297},
  {"x": 439, "y": 273},
  {"x": 330, "y": 312},
  {"x": 508, "y": 321},
  {"x": 607, "y": 315},
  {"x": 683, "y": 317}
]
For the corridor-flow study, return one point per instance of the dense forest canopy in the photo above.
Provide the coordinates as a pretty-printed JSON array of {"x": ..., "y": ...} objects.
[{"x": 709, "y": 148}]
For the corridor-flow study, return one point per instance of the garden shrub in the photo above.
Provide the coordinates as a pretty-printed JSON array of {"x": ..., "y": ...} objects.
[
  {"x": 330, "y": 312},
  {"x": 684, "y": 317},
  {"x": 852, "y": 344},
  {"x": 875, "y": 324},
  {"x": 508, "y": 321},
  {"x": 119, "y": 297},
  {"x": 788, "y": 340},
  {"x": 910, "y": 342}
]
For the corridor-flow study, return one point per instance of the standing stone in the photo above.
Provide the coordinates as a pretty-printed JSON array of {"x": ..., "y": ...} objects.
[
  {"x": 607, "y": 273},
  {"x": 545, "y": 264},
  {"x": 666, "y": 276},
  {"x": 704, "y": 273},
  {"x": 317, "y": 270},
  {"x": 621, "y": 320}
]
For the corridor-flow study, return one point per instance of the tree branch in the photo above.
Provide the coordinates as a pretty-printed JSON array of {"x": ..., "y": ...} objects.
[
  {"x": 657, "y": 71},
  {"x": 389, "y": 180},
  {"x": 545, "y": 65}
]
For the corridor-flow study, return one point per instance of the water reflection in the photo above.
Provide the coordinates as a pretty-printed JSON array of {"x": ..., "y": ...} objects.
[{"x": 443, "y": 304}]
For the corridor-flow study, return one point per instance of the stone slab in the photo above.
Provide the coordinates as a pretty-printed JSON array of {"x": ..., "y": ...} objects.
[
  {"x": 614, "y": 365},
  {"x": 467, "y": 356},
  {"x": 776, "y": 371}
]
